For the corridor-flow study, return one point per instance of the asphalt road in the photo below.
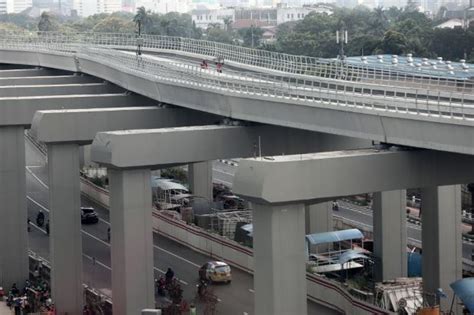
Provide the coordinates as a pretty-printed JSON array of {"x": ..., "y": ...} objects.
[{"x": 235, "y": 298}]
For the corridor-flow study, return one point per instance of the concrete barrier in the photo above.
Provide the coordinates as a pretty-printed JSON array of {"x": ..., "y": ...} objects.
[{"x": 320, "y": 290}]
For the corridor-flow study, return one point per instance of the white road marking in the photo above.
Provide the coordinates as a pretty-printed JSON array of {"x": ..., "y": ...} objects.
[
  {"x": 37, "y": 178},
  {"x": 177, "y": 256},
  {"x": 252, "y": 290},
  {"x": 108, "y": 245},
  {"x": 97, "y": 262}
]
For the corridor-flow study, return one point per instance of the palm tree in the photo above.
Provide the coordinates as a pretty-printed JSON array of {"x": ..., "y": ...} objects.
[
  {"x": 228, "y": 23},
  {"x": 142, "y": 17}
]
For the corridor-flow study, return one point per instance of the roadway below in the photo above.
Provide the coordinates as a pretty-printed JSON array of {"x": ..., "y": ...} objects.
[
  {"x": 223, "y": 172},
  {"x": 235, "y": 298}
]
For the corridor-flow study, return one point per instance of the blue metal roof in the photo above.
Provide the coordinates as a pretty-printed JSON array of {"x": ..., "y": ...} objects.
[
  {"x": 335, "y": 236},
  {"x": 416, "y": 66},
  {"x": 464, "y": 289},
  {"x": 350, "y": 255}
]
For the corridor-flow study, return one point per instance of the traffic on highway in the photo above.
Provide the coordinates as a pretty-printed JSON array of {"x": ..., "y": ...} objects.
[{"x": 233, "y": 289}]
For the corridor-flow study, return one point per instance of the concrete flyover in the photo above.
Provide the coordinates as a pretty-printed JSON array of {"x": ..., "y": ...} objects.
[
  {"x": 411, "y": 120},
  {"x": 16, "y": 114},
  {"x": 278, "y": 211}
]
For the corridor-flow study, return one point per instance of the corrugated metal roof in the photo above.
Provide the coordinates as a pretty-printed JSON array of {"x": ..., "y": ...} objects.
[
  {"x": 166, "y": 184},
  {"x": 350, "y": 255},
  {"x": 335, "y": 236}
]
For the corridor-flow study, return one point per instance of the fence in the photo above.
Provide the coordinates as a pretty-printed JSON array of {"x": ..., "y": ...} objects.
[{"x": 246, "y": 57}]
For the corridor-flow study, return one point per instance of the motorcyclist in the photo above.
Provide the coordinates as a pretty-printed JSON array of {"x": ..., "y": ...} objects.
[
  {"x": 335, "y": 206},
  {"x": 202, "y": 287},
  {"x": 40, "y": 218},
  {"x": 169, "y": 275}
]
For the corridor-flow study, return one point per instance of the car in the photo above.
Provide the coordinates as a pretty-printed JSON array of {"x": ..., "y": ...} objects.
[
  {"x": 88, "y": 215},
  {"x": 215, "y": 271}
]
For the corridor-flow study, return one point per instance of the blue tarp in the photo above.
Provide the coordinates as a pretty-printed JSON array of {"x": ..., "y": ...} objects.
[
  {"x": 464, "y": 289},
  {"x": 414, "y": 264},
  {"x": 335, "y": 236}
]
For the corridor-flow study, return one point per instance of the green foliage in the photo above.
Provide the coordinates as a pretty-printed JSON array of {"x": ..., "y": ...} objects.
[
  {"x": 114, "y": 24},
  {"x": 252, "y": 36},
  {"x": 176, "y": 173},
  {"x": 46, "y": 23},
  {"x": 216, "y": 34}
]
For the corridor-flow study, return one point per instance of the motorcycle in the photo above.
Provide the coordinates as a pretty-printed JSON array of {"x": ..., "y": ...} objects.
[
  {"x": 202, "y": 288},
  {"x": 161, "y": 286},
  {"x": 40, "y": 219}
]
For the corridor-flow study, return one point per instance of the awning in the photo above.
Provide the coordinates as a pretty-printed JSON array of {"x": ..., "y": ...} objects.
[
  {"x": 351, "y": 255},
  {"x": 464, "y": 289},
  {"x": 335, "y": 236}
]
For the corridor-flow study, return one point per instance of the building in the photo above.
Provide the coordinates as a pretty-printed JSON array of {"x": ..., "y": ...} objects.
[
  {"x": 165, "y": 6},
  {"x": 86, "y": 8},
  {"x": 14, "y": 6},
  {"x": 264, "y": 18},
  {"x": 204, "y": 17}
]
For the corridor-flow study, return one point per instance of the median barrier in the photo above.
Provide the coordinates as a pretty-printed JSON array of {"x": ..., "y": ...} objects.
[{"x": 320, "y": 290}]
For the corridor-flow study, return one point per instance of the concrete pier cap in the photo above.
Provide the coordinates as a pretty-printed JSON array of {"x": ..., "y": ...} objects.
[{"x": 317, "y": 177}]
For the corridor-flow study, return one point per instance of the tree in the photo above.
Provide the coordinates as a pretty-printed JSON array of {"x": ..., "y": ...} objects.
[
  {"x": 216, "y": 34},
  {"x": 46, "y": 24},
  {"x": 228, "y": 23},
  {"x": 393, "y": 43},
  {"x": 252, "y": 36},
  {"x": 114, "y": 24},
  {"x": 143, "y": 17}
]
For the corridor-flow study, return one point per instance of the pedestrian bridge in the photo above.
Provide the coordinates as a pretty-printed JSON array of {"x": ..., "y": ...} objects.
[{"x": 426, "y": 111}]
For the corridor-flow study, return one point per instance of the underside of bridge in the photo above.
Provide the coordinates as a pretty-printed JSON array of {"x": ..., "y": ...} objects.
[{"x": 132, "y": 135}]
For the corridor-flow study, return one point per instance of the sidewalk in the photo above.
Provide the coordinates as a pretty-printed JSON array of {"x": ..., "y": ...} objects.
[{"x": 4, "y": 309}]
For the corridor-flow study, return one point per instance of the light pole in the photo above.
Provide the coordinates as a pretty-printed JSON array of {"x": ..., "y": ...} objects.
[
  {"x": 139, "y": 37},
  {"x": 341, "y": 39}
]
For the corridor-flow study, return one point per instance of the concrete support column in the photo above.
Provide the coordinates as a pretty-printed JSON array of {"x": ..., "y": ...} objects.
[
  {"x": 200, "y": 179},
  {"x": 390, "y": 234},
  {"x": 441, "y": 240},
  {"x": 13, "y": 213},
  {"x": 279, "y": 259},
  {"x": 65, "y": 227},
  {"x": 132, "y": 240},
  {"x": 318, "y": 219}
]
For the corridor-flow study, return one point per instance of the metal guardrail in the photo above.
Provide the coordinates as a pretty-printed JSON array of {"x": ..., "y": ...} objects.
[
  {"x": 284, "y": 63},
  {"x": 340, "y": 94}
]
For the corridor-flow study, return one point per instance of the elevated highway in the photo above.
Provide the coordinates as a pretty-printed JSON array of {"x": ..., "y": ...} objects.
[
  {"x": 331, "y": 103},
  {"x": 431, "y": 113}
]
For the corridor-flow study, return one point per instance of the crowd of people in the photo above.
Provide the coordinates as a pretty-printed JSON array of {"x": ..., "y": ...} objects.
[{"x": 33, "y": 297}]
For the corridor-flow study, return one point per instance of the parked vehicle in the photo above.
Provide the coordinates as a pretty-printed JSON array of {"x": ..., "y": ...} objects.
[
  {"x": 88, "y": 215},
  {"x": 215, "y": 271}
]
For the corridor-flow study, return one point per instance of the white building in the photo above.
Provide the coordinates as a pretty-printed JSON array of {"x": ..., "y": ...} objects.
[
  {"x": 202, "y": 18},
  {"x": 165, "y": 6},
  {"x": 14, "y": 6},
  {"x": 86, "y": 8},
  {"x": 295, "y": 14}
]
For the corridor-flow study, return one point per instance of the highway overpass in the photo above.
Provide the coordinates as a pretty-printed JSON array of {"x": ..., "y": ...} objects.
[{"x": 312, "y": 106}]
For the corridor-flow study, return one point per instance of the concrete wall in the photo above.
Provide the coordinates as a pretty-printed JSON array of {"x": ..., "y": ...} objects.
[{"x": 322, "y": 291}]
